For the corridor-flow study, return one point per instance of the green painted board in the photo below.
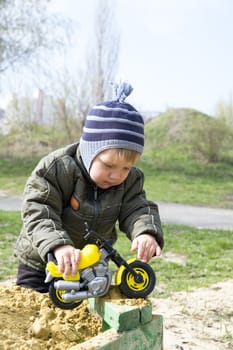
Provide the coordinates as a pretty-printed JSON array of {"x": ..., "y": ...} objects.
[
  {"x": 121, "y": 317},
  {"x": 148, "y": 336}
]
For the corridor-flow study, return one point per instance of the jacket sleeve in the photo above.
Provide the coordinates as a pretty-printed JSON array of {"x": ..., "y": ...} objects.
[
  {"x": 45, "y": 193},
  {"x": 138, "y": 214}
]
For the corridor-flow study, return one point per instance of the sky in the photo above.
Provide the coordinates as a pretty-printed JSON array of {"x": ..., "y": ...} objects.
[{"x": 175, "y": 53}]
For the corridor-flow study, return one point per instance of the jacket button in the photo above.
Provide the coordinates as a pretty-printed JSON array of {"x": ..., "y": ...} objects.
[{"x": 74, "y": 203}]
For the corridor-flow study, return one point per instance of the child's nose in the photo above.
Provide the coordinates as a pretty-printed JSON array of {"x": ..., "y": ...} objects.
[{"x": 115, "y": 175}]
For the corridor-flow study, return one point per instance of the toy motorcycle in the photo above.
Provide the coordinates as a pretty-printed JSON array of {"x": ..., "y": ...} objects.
[{"x": 134, "y": 278}]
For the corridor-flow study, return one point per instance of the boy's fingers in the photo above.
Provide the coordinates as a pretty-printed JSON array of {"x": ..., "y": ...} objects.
[
  {"x": 61, "y": 265},
  {"x": 134, "y": 245},
  {"x": 158, "y": 251},
  {"x": 146, "y": 252},
  {"x": 75, "y": 257},
  {"x": 67, "y": 266},
  {"x": 143, "y": 252}
]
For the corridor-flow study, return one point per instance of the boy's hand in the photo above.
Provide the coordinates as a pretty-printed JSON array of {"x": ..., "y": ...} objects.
[
  {"x": 147, "y": 246},
  {"x": 67, "y": 259}
]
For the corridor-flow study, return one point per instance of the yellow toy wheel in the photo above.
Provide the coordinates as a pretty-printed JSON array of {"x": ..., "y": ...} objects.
[
  {"x": 56, "y": 297},
  {"x": 134, "y": 289}
]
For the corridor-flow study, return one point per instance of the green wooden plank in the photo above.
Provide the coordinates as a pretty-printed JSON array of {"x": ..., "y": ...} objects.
[
  {"x": 146, "y": 313},
  {"x": 120, "y": 317},
  {"x": 148, "y": 336}
]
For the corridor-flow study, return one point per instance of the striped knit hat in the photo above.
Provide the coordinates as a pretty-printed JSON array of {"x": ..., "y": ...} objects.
[{"x": 112, "y": 124}]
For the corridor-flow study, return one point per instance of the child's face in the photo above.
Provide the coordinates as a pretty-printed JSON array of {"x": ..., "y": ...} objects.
[{"x": 108, "y": 169}]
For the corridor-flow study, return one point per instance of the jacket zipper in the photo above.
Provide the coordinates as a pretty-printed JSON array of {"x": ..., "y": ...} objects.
[{"x": 96, "y": 206}]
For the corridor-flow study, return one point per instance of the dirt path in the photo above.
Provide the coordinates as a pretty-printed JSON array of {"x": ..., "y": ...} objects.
[
  {"x": 200, "y": 217},
  {"x": 199, "y": 320},
  {"x": 183, "y": 214}
]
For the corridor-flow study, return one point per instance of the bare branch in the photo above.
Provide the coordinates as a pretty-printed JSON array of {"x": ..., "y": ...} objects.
[{"x": 28, "y": 30}]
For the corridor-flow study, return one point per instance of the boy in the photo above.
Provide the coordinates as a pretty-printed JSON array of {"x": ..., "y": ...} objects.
[{"x": 93, "y": 181}]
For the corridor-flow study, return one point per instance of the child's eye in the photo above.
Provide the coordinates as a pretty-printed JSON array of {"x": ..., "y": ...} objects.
[{"x": 108, "y": 166}]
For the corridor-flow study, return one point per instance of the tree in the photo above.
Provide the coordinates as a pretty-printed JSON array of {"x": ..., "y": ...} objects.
[
  {"x": 27, "y": 30},
  {"x": 101, "y": 59},
  {"x": 80, "y": 87},
  {"x": 106, "y": 48},
  {"x": 73, "y": 90}
]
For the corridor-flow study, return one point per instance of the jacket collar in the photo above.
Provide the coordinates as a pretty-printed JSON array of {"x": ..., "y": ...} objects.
[{"x": 80, "y": 163}]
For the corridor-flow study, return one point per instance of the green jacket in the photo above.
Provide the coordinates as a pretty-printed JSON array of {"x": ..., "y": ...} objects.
[{"x": 51, "y": 219}]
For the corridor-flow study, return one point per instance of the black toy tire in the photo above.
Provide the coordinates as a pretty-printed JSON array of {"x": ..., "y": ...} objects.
[
  {"x": 56, "y": 297},
  {"x": 132, "y": 289}
]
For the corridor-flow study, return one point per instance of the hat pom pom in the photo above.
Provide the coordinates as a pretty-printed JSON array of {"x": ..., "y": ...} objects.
[{"x": 122, "y": 90}]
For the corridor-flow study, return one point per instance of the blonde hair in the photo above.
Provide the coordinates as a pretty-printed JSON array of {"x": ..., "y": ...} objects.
[{"x": 127, "y": 154}]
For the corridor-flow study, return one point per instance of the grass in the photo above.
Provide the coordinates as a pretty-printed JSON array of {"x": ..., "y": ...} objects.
[
  {"x": 13, "y": 175},
  {"x": 10, "y": 223},
  {"x": 180, "y": 188},
  {"x": 175, "y": 178},
  {"x": 190, "y": 183},
  {"x": 207, "y": 255}
]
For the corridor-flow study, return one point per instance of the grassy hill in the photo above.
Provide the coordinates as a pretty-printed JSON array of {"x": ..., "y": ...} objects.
[
  {"x": 187, "y": 134},
  {"x": 188, "y": 158}
]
